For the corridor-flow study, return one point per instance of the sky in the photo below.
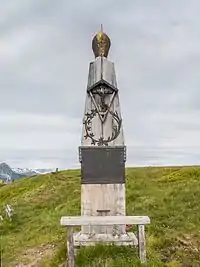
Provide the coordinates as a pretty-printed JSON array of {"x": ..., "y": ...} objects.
[{"x": 45, "y": 51}]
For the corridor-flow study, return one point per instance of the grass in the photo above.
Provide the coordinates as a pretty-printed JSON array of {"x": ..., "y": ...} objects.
[{"x": 170, "y": 196}]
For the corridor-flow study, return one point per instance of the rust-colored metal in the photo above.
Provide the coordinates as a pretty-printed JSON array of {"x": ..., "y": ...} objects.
[
  {"x": 129, "y": 227},
  {"x": 101, "y": 44}
]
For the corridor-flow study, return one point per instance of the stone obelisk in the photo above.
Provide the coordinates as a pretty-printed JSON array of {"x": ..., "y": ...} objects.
[{"x": 102, "y": 153}]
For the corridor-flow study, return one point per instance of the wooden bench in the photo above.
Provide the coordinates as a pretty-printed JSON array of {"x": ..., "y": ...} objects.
[{"x": 70, "y": 222}]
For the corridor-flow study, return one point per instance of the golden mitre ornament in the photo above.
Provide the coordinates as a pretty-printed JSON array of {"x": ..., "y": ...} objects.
[{"x": 101, "y": 44}]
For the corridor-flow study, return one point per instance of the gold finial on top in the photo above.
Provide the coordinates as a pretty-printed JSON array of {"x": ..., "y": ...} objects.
[{"x": 101, "y": 44}]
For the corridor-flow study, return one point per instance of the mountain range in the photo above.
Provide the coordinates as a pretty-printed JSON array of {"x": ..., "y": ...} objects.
[{"x": 9, "y": 174}]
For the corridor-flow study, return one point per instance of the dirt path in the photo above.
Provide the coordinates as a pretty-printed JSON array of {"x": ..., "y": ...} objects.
[{"x": 34, "y": 256}]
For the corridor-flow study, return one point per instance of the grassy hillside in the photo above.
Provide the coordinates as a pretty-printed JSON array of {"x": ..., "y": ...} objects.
[{"x": 170, "y": 196}]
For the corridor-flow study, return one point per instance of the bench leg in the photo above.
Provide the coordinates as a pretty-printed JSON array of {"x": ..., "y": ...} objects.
[
  {"x": 70, "y": 247},
  {"x": 142, "y": 244}
]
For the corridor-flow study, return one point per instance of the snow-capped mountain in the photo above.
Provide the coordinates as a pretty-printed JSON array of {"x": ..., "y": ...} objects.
[
  {"x": 6, "y": 173},
  {"x": 31, "y": 171},
  {"x": 9, "y": 174}
]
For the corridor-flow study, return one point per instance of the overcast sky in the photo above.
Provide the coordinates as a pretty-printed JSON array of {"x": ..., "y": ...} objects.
[{"x": 45, "y": 50}]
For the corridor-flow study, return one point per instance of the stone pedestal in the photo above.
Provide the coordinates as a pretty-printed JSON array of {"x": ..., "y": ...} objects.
[{"x": 102, "y": 153}]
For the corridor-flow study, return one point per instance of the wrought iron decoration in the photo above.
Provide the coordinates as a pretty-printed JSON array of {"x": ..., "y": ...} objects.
[
  {"x": 102, "y": 109},
  {"x": 101, "y": 141}
]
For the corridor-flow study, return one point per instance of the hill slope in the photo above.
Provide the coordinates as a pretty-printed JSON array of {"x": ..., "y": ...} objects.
[{"x": 170, "y": 196}]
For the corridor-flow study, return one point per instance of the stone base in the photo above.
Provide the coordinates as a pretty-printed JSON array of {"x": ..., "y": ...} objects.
[{"x": 128, "y": 239}]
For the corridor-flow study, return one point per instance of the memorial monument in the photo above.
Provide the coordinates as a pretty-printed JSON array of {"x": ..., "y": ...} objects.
[{"x": 102, "y": 153}]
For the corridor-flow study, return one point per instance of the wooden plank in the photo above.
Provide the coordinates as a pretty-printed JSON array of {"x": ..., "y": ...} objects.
[
  {"x": 70, "y": 247},
  {"x": 103, "y": 220},
  {"x": 142, "y": 243}
]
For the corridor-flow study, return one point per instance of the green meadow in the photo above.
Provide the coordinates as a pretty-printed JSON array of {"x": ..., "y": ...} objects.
[{"x": 170, "y": 196}]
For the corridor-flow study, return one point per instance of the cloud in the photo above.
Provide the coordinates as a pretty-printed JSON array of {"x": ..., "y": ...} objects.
[
  {"x": 32, "y": 131},
  {"x": 45, "y": 50}
]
